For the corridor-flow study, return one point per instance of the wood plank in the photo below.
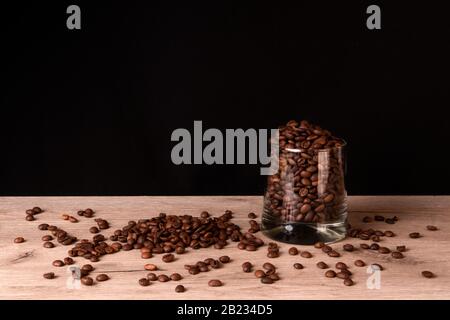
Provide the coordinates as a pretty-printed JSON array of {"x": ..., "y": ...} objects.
[{"x": 22, "y": 265}]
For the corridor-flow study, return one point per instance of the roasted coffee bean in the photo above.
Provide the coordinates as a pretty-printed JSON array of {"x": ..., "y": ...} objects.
[
  {"x": 321, "y": 265},
  {"x": 194, "y": 270},
  {"x": 37, "y": 210},
  {"x": 58, "y": 263},
  {"x": 68, "y": 261},
  {"x": 364, "y": 246},
  {"x": 80, "y": 213},
  {"x": 49, "y": 275},
  {"x": 267, "y": 280},
  {"x": 73, "y": 219},
  {"x": 224, "y": 259},
  {"x": 144, "y": 282},
  {"x": 146, "y": 255},
  {"x": 389, "y": 221},
  {"x": 65, "y": 217},
  {"x": 163, "y": 278},
  {"x": 389, "y": 234},
  {"x": 432, "y": 228},
  {"x": 377, "y": 266},
  {"x": 102, "y": 277},
  {"x": 87, "y": 268},
  {"x": 379, "y": 218},
  {"x": 293, "y": 251},
  {"x": 427, "y": 274},
  {"x": 203, "y": 269},
  {"x": 260, "y": 273},
  {"x": 29, "y": 211},
  {"x": 306, "y": 254},
  {"x": 342, "y": 275},
  {"x": 215, "y": 264},
  {"x": 87, "y": 281},
  {"x": 94, "y": 259},
  {"x": 247, "y": 267},
  {"x": 414, "y": 235},
  {"x": 47, "y": 238},
  {"x": 268, "y": 266},
  {"x": 375, "y": 238},
  {"x": 334, "y": 254},
  {"x": 179, "y": 288},
  {"x": 48, "y": 244},
  {"x": 341, "y": 265},
  {"x": 374, "y": 246},
  {"x": 348, "y": 247},
  {"x": 298, "y": 266},
  {"x": 29, "y": 217},
  {"x": 250, "y": 247},
  {"x": 168, "y": 257},
  {"x": 215, "y": 283},
  {"x": 367, "y": 219},
  {"x": 274, "y": 277},
  {"x": 401, "y": 248},
  {"x": 359, "y": 263},
  {"x": 252, "y": 215},
  {"x": 273, "y": 254},
  {"x": 384, "y": 250},
  {"x": 348, "y": 282},
  {"x": 326, "y": 248},
  {"x": 94, "y": 230},
  {"x": 319, "y": 245},
  {"x": 150, "y": 267},
  {"x": 204, "y": 214},
  {"x": 88, "y": 213},
  {"x": 176, "y": 277},
  {"x": 43, "y": 226},
  {"x": 330, "y": 274},
  {"x": 397, "y": 255},
  {"x": 152, "y": 277},
  {"x": 19, "y": 240},
  {"x": 379, "y": 233}
]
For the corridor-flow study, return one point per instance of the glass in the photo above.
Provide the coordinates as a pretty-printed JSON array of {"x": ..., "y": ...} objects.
[{"x": 305, "y": 200}]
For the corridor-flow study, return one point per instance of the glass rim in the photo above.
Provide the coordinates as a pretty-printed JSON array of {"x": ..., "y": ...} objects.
[{"x": 296, "y": 150}]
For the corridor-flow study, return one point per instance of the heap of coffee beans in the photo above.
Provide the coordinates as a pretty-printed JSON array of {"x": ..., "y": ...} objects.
[
  {"x": 309, "y": 184},
  {"x": 30, "y": 213},
  {"x": 249, "y": 242},
  {"x": 61, "y": 236}
]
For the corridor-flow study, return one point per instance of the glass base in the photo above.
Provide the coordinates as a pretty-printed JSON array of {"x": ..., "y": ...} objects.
[{"x": 305, "y": 233}]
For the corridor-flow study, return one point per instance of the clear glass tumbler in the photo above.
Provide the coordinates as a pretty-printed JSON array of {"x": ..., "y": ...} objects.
[{"x": 305, "y": 200}]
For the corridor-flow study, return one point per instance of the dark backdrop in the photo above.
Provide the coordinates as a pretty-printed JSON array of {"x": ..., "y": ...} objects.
[{"x": 91, "y": 112}]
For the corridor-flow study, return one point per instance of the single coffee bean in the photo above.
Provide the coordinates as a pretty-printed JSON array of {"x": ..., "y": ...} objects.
[
  {"x": 94, "y": 230},
  {"x": 194, "y": 270},
  {"x": 87, "y": 281},
  {"x": 414, "y": 235},
  {"x": 367, "y": 219},
  {"x": 348, "y": 282},
  {"x": 163, "y": 278},
  {"x": 273, "y": 254},
  {"x": 374, "y": 246},
  {"x": 364, "y": 246},
  {"x": 334, "y": 254},
  {"x": 204, "y": 214},
  {"x": 293, "y": 251},
  {"x": 389, "y": 221},
  {"x": 65, "y": 217},
  {"x": 73, "y": 219},
  {"x": 88, "y": 213},
  {"x": 43, "y": 226},
  {"x": 150, "y": 267},
  {"x": 49, "y": 275},
  {"x": 152, "y": 277},
  {"x": 180, "y": 250},
  {"x": 179, "y": 288},
  {"x": 247, "y": 267},
  {"x": 144, "y": 282},
  {"x": 87, "y": 267},
  {"x": 30, "y": 217},
  {"x": 80, "y": 213},
  {"x": 401, "y": 248},
  {"x": 250, "y": 247},
  {"x": 19, "y": 240},
  {"x": 326, "y": 249},
  {"x": 68, "y": 261},
  {"x": 427, "y": 274},
  {"x": 379, "y": 218},
  {"x": 252, "y": 215},
  {"x": 58, "y": 263},
  {"x": 298, "y": 266},
  {"x": 375, "y": 238},
  {"x": 330, "y": 274},
  {"x": 274, "y": 277},
  {"x": 215, "y": 283},
  {"x": 168, "y": 257},
  {"x": 376, "y": 266},
  {"x": 37, "y": 210},
  {"x": 29, "y": 211},
  {"x": 359, "y": 263},
  {"x": 321, "y": 265},
  {"x": 432, "y": 228},
  {"x": 379, "y": 233},
  {"x": 389, "y": 234},
  {"x": 260, "y": 273},
  {"x": 341, "y": 265},
  {"x": 306, "y": 254},
  {"x": 48, "y": 244},
  {"x": 224, "y": 259},
  {"x": 268, "y": 266},
  {"x": 267, "y": 280},
  {"x": 397, "y": 255},
  {"x": 176, "y": 277},
  {"x": 47, "y": 238},
  {"x": 384, "y": 250},
  {"x": 348, "y": 247},
  {"x": 94, "y": 259},
  {"x": 102, "y": 277},
  {"x": 342, "y": 275},
  {"x": 319, "y": 245},
  {"x": 146, "y": 255}
]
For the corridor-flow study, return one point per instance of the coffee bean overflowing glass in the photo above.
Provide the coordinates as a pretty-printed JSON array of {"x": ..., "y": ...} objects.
[{"x": 305, "y": 200}]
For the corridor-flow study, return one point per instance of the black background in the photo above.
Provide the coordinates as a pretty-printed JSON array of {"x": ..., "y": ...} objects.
[{"x": 91, "y": 111}]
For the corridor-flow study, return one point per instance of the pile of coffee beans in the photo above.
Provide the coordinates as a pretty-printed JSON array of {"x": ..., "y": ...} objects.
[
  {"x": 88, "y": 213},
  {"x": 30, "y": 213},
  {"x": 254, "y": 226},
  {"x": 61, "y": 236},
  {"x": 309, "y": 184},
  {"x": 273, "y": 250},
  {"x": 206, "y": 265},
  {"x": 70, "y": 218},
  {"x": 249, "y": 242}
]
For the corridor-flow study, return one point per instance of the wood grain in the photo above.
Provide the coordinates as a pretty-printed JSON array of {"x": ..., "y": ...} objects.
[{"x": 22, "y": 265}]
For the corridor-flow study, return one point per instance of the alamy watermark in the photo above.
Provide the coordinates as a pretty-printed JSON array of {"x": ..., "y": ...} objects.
[
  {"x": 374, "y": 279},
  {"x": 233, "y": 147}
]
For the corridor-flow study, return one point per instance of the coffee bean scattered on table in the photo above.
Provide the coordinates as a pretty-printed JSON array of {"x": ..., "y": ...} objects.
[
  {"x": 298, "y": 266},
  {"x": 43, "y": 226},
  {"x": 68, "y": 261},
  {"x": 367, "y": 219},
  {"x": 330, "y": 274},
  {"x": 224, "y": 259},
  {"x": 389, "y": 233},
  {"x": 384, "y": 250},
  {"x": 427, "y": 274},
  {"x": 49, "y": 275},
  {"x": 175, "y": 277},
  {"x": 247, "y": 267},
  {"x": 29, "y": 217},
  {"x": 401, "y": 248},
  {"x": 144, "y": 282},
  {"x": 306, "y": 254},
  {"x": 252, "y": 215},
  {"x": 342, "y": 275},
  {"x": 87, "y": 268},
  {"x": 179, "y": 288},
  {"x": 360, "y": 263},
  {"x": 94, "y": 230},
  {"x": 348, "y": 282},
  {"x": 58, "y": 263},
  {"x": 321, "y": 265},
  {"x": 397, "y": 255},
  {"x": 19, "y": 240},
  {"x": 87, "y": 281},
  {"x": 414, "y": 235},
  {"x": 348, "y": 247},
  {"x": 334, "y": 254},
  {"x": 260, "y": 274},
  {"x": 319, "y": 245},
  {"x": 102, "y": 277},
  {"x": 293, "y": 251},
  {"x": 341, "y": 265},
  {"x": 432, "y": 228},
  {"x": 364, "y": 246},
  {"x": 378, "y": 218},
  {"x": 215, "y": 283},
  {"x": 48, "y": 244},
  {"x": 267, "y": 280}
]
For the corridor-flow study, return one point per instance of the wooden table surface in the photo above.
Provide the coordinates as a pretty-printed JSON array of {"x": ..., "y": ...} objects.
[{"x": 22, "y": 265}]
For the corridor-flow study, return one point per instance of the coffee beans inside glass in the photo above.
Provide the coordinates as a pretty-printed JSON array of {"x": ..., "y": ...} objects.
[{"x": 305, "y": 200}]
